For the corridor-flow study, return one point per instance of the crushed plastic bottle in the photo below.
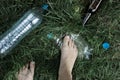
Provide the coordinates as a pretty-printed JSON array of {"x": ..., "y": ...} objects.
[
  {"x": 58, "y": 40},
  {"x": 20, "y": 29},
  {"x": 84, "y": 50}
]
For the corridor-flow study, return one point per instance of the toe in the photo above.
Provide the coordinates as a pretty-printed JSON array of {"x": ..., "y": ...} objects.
[
  {"x": 74, "y": 46},
  {"x": 71, "y": 43},
  {"x": 32, "y": 67},
  {"x": 20, "y": 71},
  {"x": 76, "y": 50},
  {"x": 66, "y": 41},
  {"x": 16, "y": 75},
  {"x": 24, "y": 69}
]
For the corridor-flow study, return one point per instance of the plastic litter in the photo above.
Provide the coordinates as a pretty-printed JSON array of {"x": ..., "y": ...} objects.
[
  {"x": 106, "y": 45},
  {"x": 83, "y": 48},
  {"x": 20, "y": 29}
]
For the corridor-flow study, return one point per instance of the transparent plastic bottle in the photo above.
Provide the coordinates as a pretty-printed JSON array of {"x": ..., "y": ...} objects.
[
  {"x": 56, "y": 38},
  {"x": 20, "y": 29},
  {"x": 84, "y": 51}
]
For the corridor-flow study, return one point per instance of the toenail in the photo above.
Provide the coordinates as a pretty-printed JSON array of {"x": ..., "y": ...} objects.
[{"x": 67, "y": 37}]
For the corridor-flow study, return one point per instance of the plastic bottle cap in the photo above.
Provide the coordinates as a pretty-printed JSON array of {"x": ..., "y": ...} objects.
[
  {"x": 45, "y": 7},
  {"x": 106, "y": 45}
]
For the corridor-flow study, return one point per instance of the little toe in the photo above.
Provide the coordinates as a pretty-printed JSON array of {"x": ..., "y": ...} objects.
[
  {"x": 66, "y": 41},
  {"x": 76, "y": 49},
  {"x": 20, "y": 71},
  {"x": 24, "y": 69},
  {"x": 16, "y": 75}
]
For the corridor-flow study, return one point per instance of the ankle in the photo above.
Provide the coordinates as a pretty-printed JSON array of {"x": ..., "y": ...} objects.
[
  {"x": 65, "y": 76},
  {"x": 63, "y": 70}
]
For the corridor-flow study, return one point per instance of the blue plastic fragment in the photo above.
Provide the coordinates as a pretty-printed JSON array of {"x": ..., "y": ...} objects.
[
  {"x": 50, "y": 35},
  {"x": 106, "y": 45},
  {"x": 45, "y": 6}
]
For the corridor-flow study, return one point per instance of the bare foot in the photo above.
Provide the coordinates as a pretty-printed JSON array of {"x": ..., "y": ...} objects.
[
  {"x": 25, "y": 73},
  {"x": 69, "y": 54}
]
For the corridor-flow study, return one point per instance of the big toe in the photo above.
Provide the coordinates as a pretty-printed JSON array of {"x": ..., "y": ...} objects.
[
  {"x": 66, "y": 40},
  {"x": 32, "y": 67}
]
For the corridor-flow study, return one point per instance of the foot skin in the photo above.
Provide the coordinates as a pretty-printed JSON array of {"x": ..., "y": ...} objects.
[
  {"x": 69, "y": 54},
  {"x": 25, "y": 73}
]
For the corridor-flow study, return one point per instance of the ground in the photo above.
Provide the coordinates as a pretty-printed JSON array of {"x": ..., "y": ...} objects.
[{"x": 64, "y": 16}]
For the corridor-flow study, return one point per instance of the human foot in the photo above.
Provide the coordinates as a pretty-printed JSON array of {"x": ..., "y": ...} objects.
[
  {"x": 69, "y": 54},
  {"x": 25, "y": 73}
]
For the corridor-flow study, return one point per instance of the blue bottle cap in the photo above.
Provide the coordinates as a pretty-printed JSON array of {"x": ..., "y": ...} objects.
[
  {"x": 45, "y": 6},
  {"x": 106, "y": 45}
]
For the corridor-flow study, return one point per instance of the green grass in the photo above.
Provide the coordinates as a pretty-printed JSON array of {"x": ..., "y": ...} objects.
[{"x": 62, "y": 17}]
